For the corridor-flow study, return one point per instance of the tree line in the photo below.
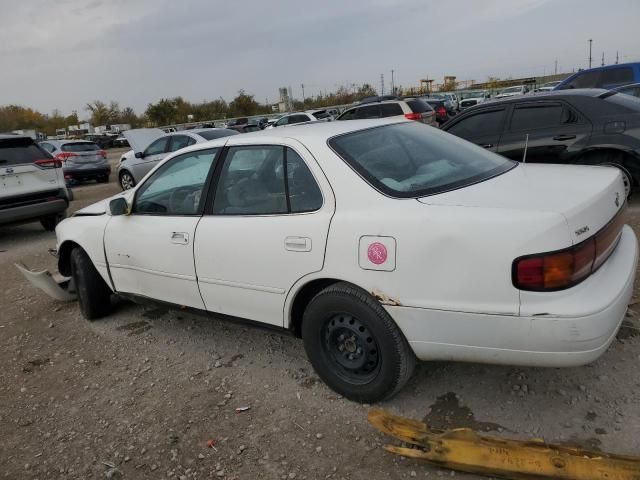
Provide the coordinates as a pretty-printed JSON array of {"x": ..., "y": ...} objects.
[{"x": 166, "y": 111}]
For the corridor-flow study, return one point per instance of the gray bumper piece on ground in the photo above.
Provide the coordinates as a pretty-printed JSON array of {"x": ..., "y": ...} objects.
[{"x": 60, "y": 289}]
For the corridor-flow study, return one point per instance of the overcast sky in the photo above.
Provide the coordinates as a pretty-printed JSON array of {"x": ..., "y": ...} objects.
[{"x": 65, "y": 53}]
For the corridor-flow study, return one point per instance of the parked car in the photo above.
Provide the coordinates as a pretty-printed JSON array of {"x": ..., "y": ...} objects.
[
  {"x": 631, "y": 89},
  {"x": 121, "y": 142},
  {"x": 151, "y": 145},
  {"x": 608, "y": 77},
  {"x": 81, "y": 160},
  {"x": 302, "y": 117},
  {"x": 471, "y": 99},
  {"x": 103, "y": 141},
  {"x": 547, "y": 87},
  {"x": 33, "y": 187},
  {"x": 404, "y": 109},
  {"x": 438, "y": 105},
  {"x": 376, "y": 241},
  {"x": 450, "y": 102},
  {"x": 513, "y": 91},
  {"x": 592, "y": 126}
]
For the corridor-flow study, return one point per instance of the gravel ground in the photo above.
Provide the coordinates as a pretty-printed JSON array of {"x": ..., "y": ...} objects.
[{"x": 141, "y": 393}]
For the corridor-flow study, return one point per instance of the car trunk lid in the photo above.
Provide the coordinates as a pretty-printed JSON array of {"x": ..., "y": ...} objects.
[{"x": 587, "y": 197}]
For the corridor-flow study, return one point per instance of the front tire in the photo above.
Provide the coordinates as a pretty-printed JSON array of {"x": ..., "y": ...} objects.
[
  {"x": 94, "y": 295},
  {"x": 127, "y": 181},
  {"x": 354, "y": 345},
  {"x": 49, "y": 223}
]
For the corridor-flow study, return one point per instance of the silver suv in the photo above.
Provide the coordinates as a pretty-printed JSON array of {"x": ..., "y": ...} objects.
[
  {"x": 32, "y": 182},
  {"x": 381, "y": 107}
]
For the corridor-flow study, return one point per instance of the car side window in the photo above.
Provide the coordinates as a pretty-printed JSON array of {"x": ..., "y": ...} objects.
[
  {"x": 158, "y": 146},
  {"x": 390, "y": 110},
  {"x": 282, "y": 121},
  {"x": 304, "y": 193},
  {"x": 180, "y": 141},
  {"x": 176, "y": 188},
  {"x": 584, "y": 80},
  {"x": 48, "y": 147},
  {"x": 370, "y": 111},
  {"x": 481, "y": 123},
  {"x": 532, "y": 117},
  {"x": 615, "y": 76},
  {"x": 298, "y": 119},
  {"x": 251, "y": 182},
  {"x": 349, "y": 114}
]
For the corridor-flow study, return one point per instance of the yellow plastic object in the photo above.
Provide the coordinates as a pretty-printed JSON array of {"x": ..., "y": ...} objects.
[{"x": 463, "y": 449}]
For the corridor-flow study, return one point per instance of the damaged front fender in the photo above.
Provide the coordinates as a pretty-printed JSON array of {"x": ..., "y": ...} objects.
[{"x": 58, "y": 287}]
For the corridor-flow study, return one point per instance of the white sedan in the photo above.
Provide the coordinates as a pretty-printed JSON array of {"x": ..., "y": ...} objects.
[{"x": 376, "y": 241}]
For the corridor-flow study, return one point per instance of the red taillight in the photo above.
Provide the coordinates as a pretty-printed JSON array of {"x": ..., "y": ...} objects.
[
  {"x": 441, "y": 111},
  {"x": 102, "y": 153},
  {"x": 65, "y": 155},
  {"x": 566, "y": 268},
  {"x": 49, "y": 163},
  {"x": 413, "y": 116}
]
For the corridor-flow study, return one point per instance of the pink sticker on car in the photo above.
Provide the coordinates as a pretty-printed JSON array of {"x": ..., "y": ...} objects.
[{"x": 377, "y": 253}]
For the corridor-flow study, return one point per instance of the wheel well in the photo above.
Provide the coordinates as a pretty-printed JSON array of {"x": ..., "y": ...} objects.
[
  {"x": 627, "y": 160},
  {"x": 302, "y": 299},
  {"x": 64, "y": 257}
]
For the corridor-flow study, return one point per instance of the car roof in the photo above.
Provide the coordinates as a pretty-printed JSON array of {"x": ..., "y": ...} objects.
[
  {"x": 609, "y": 67},
  {"x": 9, "y": 136},
  {"x": 553, "y": 94}
]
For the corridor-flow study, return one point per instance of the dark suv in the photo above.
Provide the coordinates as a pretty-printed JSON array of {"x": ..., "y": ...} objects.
[{"x": 587, "y": 126}]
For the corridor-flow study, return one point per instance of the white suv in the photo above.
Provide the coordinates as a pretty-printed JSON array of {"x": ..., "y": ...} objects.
[
  {"x": 381, "y": 107},
  {"x": 32, "y": 181}
]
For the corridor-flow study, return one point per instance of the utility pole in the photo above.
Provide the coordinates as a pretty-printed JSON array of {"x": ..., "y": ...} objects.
[
  {"x": 590, "y": 42},
  {"x": 302, "y": 85},
  {"x": 393, "y": 85},
  {"x": 382, "y": 84},
  {"x": 616, "y": 57},
  {"x": 602, "y": 64},
  {"x": 555, "y": 70}
]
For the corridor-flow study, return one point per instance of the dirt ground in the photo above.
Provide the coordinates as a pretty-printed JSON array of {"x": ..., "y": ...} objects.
[{"x": 140, "y": 393}]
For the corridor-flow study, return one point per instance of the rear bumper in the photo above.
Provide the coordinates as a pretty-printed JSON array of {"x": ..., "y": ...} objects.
[
  {"x": 86, "y": 173},
  {"x": 564, "y": 334},
  {"x": 32, "y": 212}
]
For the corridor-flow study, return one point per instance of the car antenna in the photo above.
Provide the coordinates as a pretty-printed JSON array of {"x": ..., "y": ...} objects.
[{"x": 526, "y": 144}]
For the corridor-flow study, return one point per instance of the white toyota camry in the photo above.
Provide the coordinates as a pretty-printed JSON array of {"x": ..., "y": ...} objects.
[{"x": 376, "y": 241}]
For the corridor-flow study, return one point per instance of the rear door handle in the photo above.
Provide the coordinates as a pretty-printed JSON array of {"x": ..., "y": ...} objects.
[
  {"x": 297, "y": 244},
  {"x": 564, "y": 137},
  {"x": 181, "y": 238},
  {"x": 488, "y": 145}
]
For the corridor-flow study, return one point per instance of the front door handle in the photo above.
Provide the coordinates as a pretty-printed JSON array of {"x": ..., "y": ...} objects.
[
  {"x": 488, "y": 145},
  {"x": 297, "y": 244},
  {"x": 181, "y": 238},
  {"x": 564, "y": 137}
]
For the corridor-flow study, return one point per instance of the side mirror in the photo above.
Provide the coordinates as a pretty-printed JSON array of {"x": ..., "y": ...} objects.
[
  {"x": 139, "y": 155},
  {"x": 118, "y": 206}
]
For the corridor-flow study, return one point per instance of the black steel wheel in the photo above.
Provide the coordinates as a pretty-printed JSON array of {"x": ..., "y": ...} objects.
[{"x": 354, "y": 345}]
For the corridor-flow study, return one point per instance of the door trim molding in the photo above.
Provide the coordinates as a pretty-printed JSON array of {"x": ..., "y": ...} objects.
[
  {"x": 245, "y": 286},
  {"x": 153, "y": 272}
]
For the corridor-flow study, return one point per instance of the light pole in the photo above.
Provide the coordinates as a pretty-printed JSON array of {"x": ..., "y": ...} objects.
[
  {"x": 393, "y": 85},
  {"x": 590, "y": 41},
  {"x": 302, "y": 85}
]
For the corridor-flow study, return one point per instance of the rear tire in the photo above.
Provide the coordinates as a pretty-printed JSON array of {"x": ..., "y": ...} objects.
[
  {"x": 49, "y": 223},
  {"x": 354, "y": 345},
  {"x": 94, "y": 295},
  {"x": 127, "y": 181},
  {"x": 613, "y": 159}
]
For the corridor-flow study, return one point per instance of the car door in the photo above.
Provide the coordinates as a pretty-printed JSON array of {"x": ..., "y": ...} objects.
[
  {"x": 483, "y": 127},
  {"x": 553, "y": 129},
  {"x": 266, "y": 229},
  {"x": 150, "y": 157},
  {"x": 150, "y": 251}
]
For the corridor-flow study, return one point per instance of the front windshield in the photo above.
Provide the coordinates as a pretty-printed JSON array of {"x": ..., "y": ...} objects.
[
  {"x": 414, "y": 160},
  {"x": 512, "y": 90}
]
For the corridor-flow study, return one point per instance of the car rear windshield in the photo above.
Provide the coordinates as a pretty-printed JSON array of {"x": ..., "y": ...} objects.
[
  {"x": 79, "y": 147},
  {"x": 419, "y": 106},
  {"x": 213, "y": 134},
  {"x": 413, "y": 160},
  {"x": 14, "y": 151}
]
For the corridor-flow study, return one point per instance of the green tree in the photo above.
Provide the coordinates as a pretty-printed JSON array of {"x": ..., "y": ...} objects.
[
  {"x": 244, "y": 105},
  {"x": 165, "y": 112},
  {"x": 103, "y": 114}
]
